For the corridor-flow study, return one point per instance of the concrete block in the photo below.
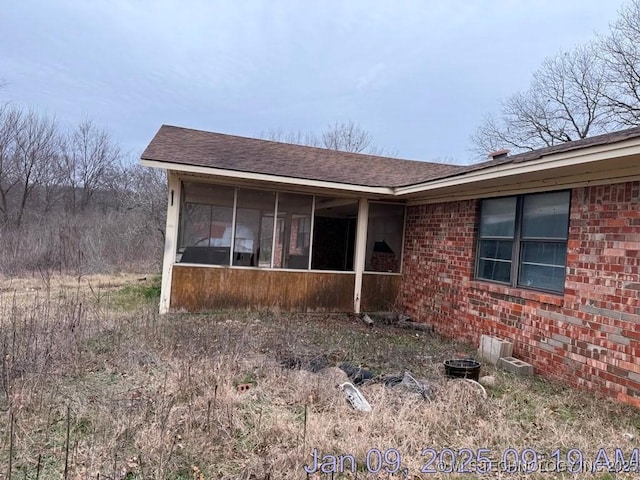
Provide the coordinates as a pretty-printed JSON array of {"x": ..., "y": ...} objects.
[
  {"x": 513, "y": 365},
  {"x": 493, "y": 348}
]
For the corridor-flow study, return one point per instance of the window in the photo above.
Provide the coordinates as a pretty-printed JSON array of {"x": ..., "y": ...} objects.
[
  {"x": 254, "y": 228},
  {"x": 293, "y": 234},
  {"x": 522, "y": 240},
  {"x": 205, "y": 224},
  {"x": 222, "y": 225},
  {"x": 304, "y": 230},
  {"x": 234, "y": 226},
  {"x": 384, "y": 237},
  {"x": 334, "y": 233}
]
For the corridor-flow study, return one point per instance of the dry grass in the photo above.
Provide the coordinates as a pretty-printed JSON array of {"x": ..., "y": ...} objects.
[{"x": 94, "y": 380}]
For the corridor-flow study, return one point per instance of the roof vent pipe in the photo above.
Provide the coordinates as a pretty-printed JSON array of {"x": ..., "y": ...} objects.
[{"x": 499, "y": 154}]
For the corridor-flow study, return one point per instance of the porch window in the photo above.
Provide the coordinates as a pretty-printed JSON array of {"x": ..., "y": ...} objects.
[
  {"x": 384, "y": 237},
  {"x": 334, "y": 233},
  {"x": 205, "y": 224},
  {"x": 222, "y": 225},
  {"x": 522, "y": 240},
  {"x": 293, "y": 234},
  {"x": 253, "y": 237}
]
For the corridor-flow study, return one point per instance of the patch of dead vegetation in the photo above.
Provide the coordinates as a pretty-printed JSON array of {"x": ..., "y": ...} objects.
[{"x": 127, "y": 394}]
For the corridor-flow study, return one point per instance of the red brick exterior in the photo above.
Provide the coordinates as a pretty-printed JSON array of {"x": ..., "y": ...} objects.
[{"x": 589, "y": 337}]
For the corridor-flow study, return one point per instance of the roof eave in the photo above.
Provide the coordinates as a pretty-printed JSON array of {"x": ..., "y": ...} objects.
[
  {"x": 262, "y": 177},
  {"x": 554, "y": 161}
]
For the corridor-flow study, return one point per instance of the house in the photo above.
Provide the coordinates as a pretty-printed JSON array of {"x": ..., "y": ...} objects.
[{"x": 541, "y": 248}]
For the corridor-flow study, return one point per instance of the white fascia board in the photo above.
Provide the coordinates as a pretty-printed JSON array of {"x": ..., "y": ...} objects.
[
  {"x": 565, "y": 159},
  {"x": 220, "y": 172}
]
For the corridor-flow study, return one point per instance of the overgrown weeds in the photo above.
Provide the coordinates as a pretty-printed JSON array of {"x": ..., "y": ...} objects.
[{"x": 90, "y": 389}]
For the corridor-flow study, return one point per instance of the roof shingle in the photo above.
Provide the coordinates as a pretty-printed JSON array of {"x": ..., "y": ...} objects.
[
  {"x": 207, "y": 149},
  {"x": 229, "y": 152}
]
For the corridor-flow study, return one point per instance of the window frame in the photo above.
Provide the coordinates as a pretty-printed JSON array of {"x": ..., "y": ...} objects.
[
  {"x": 309, "y": 232},
  {"x": 518, "y": 242}
]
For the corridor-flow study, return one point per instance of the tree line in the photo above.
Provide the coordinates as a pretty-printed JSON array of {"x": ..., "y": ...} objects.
[
  {"x": 588, "y": 90},
  {"x": 72, "y": 200}
]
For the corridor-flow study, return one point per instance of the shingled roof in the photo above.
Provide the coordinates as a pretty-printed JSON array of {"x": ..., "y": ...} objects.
[
  {"x": 184, "y": 146},
  {"x": 597, "y": 140},
  {"x": 229, "y": 152}
]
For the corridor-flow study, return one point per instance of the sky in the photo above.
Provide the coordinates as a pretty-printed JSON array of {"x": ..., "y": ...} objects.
[{"x": 417, "y": 75}]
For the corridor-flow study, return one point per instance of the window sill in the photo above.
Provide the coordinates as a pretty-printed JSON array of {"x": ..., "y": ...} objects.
[{"x": 540, "y": 297}]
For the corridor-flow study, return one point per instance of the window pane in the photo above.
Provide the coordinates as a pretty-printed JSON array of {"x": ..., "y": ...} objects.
[
  {"x": 208, "y": 194},
  {"x": 334, "y": 233},
  {"x": 293, "y": 232},
  {"x": 545, "y": 215},
  {"x": 205, "y": 224},
  {"x": 496, "y": 249},
  {"x": 196, "y": 225},
  {"x": 494, "y": 260},
  {"x": 496, "y": 270},
  {"x": 545, "y": 253},
  {"x": 544, "y": 277},
  {"x": 384, "y": 237},
  {"x": 498, "y": 217},
  {"x": 254, "y": 228}
]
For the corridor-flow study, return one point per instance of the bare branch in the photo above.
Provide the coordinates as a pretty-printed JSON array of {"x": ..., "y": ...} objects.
[
  {"x": 565, "y": 101},
  {"x": 620, "y": 52},
  {"x": 343, "y": 136}
]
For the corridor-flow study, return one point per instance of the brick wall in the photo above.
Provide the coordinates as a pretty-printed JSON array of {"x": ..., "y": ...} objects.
[{"x": 589, "y": 337}]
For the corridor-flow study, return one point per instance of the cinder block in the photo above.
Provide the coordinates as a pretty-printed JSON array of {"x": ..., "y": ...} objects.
[
  {"x": 513, "y": 365},
  {"x": 493, "y": 348}
]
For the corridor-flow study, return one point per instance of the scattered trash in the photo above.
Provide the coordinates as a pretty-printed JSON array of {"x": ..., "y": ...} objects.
[
  {"x": 367, "y": 319},
  {"x": 355, "y": 397},
  {"x": 357, "y": 375},
  {"x": 333, "y": 376},
  {"x": 313, "y": 365},
  {"x": 628, "y": 436},
  {"x": 477, "y": 386},
  {"x": 409, "y": 383},
  {"x": 424, "y": 327},
  {"x": 413, "y": 385}
]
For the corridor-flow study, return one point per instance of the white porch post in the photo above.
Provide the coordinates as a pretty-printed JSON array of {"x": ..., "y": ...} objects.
[
  {"x": 170, "y": 240},
  {"x": 360, "y": 253}
]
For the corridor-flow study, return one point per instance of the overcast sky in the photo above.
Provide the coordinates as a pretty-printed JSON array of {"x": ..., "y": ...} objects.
[{"x": 417, "y": 75}]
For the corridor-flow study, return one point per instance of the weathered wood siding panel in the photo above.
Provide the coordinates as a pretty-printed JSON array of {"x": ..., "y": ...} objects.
[
  {"x": 205, "y": 288},
  {"x": 379, "y": 292}
]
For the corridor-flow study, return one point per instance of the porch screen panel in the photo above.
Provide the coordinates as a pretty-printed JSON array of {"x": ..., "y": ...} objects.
[
  {"x": 206, "y": 216},
  {"x": 293, "y": 231},
  {"x": 254, "y": 228},
  {"x": 384, "y": 237},
  {"x": 334, "y": 233}
]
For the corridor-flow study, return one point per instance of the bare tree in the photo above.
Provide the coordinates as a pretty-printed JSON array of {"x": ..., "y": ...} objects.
[
  {"x": 566, "y": 101},
  {"x": 38, "y": 144},
  {"x": 620, "y": 52},
  {"x": 28, "y": 143},
  {"x": 142, "y": 193},
  {"x": 348, "y": 137},
  {"x": 89, "y": 157},
  {"x": 10, "y": 124},
  {"x": 344, "y": 136},
  {"x": 309, "y": 139}
]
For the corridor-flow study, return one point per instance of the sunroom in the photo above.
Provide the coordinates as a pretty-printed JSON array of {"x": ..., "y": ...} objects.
[
  {"x": 259, "y": 224},
  {"x": 240, "y": 247}
]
